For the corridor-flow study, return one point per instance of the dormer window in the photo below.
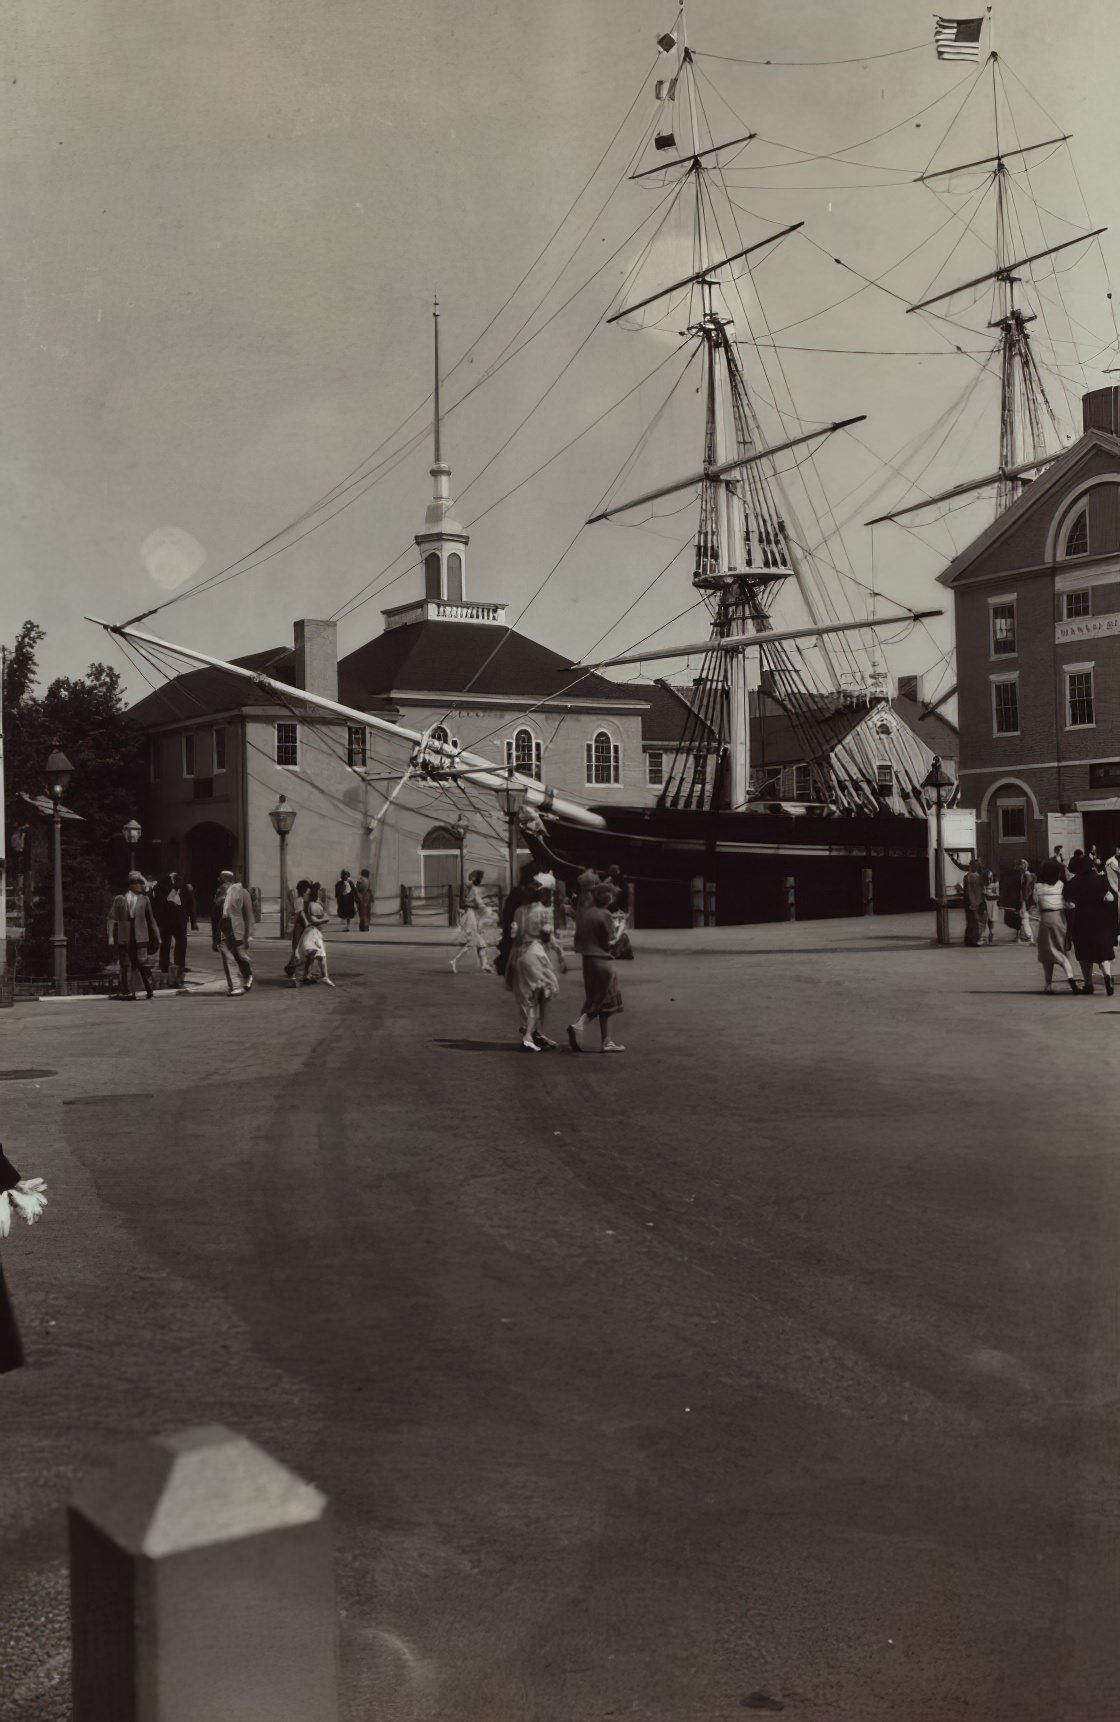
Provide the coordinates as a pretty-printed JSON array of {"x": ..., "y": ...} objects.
[{"x": 1077, "y": 535}]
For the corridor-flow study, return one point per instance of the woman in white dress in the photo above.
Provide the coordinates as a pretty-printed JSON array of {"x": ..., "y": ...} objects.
[
  {"x": 311, "y": 950},
  {"x": 530, "y": 976},
  {"x": 473, "y": 915},
  {"x": 1053, "y": 927}
]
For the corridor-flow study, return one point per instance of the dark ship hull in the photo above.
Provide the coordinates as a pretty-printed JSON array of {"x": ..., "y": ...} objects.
[{"x": 694, "y": 869}]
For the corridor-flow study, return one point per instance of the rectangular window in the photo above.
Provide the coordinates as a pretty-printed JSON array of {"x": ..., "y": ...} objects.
[
  {"x": 1003, "y": 630},
  {"x": 655, "y": 769},
  {"x": 803, "y": 783},
  {"x": 1076, "y": 604},
  {"x": 884, "y": 776},
  {"x": 188, "y": 756},
  {"x": 287, "y": 744},
  {"x": 1079, "y": 699},
  {"x": 1012, "y": 821},
  {"x": 220, "y": 747},
  {"x": 1005, "y": 706},
  {"x": 356, "y": 746},
  {"x": 155, "y": 746}
]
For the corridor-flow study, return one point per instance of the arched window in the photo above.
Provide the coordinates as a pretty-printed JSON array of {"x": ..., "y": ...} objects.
[
  {"x": 433, "y": 577},
  {"x": 455, "y": 577},
  {"x": 1076, "y": 542},
  {"x": 523, "y": 754},
  {"x": 441, "y": 860},
  {"x": 603, "y": 759}
]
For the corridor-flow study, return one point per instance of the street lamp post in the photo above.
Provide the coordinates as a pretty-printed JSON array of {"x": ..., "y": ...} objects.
[
  {"x": 511, "y": 799},
  {"x": 939, "y": 781},
  {"x": 59, "y": 773},
  {"x": 460, "y": 830},
  {"x": 132, "y": 832},
  {"x": 283, "y": 817}
]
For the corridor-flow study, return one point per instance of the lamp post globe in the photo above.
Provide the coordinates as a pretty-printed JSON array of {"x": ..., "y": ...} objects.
[
  {"x": 58, "y": 772},
  {"x": 511, "y": 799},
  {"x": 936, "y": 782},
  {"x": 283, "y": 817},
  {"x": 131, "y": 832}
]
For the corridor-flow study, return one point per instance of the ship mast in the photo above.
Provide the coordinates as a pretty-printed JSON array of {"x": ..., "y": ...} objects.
[{"x": 1022, "y": 436}]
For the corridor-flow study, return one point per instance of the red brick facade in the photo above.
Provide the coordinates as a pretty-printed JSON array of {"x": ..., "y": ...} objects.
[{"x": 1037, "y": 609}]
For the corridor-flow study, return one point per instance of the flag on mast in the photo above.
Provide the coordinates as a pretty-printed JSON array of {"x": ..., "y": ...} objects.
[{"x": 957, "y": 38}]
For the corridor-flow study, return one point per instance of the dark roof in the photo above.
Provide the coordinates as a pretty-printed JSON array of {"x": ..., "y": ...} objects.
[
  {"x": 670, "y": 711},
  {"x": 934, "y": 728},
  {"x": 455, "y": 657},
  {"x": 777, "y": 740},
  {"x": 200, "y": 693}
]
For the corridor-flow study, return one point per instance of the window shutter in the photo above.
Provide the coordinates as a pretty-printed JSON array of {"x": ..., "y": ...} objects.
[
  {"x": 509, "y": 756},
  {"x": 590, "y": 762},
  {"x": 538, "y": 761},
  {"x": 616, "y": 763}
]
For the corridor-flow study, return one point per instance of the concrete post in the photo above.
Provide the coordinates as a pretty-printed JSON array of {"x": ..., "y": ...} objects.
[
  {"x": 202, "y": 1588},
  {"x": 868, "y": 891},
  {"x": 789, "y": 887},
  {"x": 698, "y": 900}
]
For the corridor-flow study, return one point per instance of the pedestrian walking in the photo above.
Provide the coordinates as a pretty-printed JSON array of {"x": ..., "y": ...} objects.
[
  {"x": 991, "y": 903},
  {"x": 1094, "y": 923},
  {"x": 135, "y": 934},
  {"x": 975, "y": 915},
  {"x": 1053, "y": 924},
  {"x": 297, "y": 898},
  {"x": 363, "y": 897},
  {"x": 1028, "y": 912},
  {"x": 311, "y": 952},
  {"x": 345, "y": 902},
  {"x": 522, "y": 893},
  {"x": 530, "y": 975},
  {"x": 474, "y": 912},
  {"x": 28, "y": 1196},
  {"x": 548, "y": 900},
  {"x": 175, "y": 909},
  {"x": 233, "y": 924},
  {"x": 602, "y": 997},
  {"x": 587, "y": 884},
  {"x": 1112, "y": 869}
]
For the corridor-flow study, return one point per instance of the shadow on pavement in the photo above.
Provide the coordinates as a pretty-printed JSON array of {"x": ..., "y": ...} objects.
[{"x": 479, "y": 1045}]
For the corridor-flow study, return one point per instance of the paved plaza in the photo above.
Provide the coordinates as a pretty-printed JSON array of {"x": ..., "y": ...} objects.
[{"x": 772, "y": 1365}]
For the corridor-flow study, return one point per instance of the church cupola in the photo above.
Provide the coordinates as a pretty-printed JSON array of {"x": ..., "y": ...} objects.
[{"x": 443, "y": 543}]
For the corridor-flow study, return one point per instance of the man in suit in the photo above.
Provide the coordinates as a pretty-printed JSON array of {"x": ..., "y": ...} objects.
[
  {"x": 175, "y": 906},
  {"x": 234, "y": 924},
  {"x": 133, "y": 930}
]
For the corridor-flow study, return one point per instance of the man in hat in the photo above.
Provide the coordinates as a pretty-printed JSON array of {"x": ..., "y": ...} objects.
[
  {"x": 233, "y": 931},
  {"x": 133, "y": 925}
]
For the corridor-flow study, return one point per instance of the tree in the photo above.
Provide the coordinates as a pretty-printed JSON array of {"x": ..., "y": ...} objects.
[{"x": 84, "y": 716}]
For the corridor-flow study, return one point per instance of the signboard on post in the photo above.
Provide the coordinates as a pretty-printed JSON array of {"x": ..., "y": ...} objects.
[
  {"x": 958, "y": 835},
  {"x": 1068, "y": 829}
]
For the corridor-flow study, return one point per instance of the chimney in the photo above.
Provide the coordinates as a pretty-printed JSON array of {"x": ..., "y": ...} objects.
[
  {"x": 316, "y": 646},
  {"x": 1100, "y": 410}
]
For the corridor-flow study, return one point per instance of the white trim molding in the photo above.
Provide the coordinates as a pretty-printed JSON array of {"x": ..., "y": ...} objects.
[
  {"x": 1014, "y": 783},
  {"x": 1070, "y": 508}
]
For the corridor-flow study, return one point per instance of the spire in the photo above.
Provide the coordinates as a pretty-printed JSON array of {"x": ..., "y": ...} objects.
[{"x": 443, "y": 542}]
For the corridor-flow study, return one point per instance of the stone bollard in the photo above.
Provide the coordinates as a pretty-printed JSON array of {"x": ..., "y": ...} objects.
[
  {"x": 789, "y": 889},
  {"x": 868, "y": 891},
  {"x": 202, "y": 1588}
]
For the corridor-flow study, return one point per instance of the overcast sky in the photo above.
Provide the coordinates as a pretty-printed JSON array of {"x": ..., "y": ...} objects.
[{"x": 223, "y": 222}]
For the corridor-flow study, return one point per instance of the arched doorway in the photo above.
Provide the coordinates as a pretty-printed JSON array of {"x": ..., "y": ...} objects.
[
  {"x": 441, "y": 860},
  {"x": 209, "y": 848}
]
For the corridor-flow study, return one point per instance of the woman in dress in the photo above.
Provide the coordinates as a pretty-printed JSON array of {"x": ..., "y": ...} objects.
[
  {"x": 602, "y": 996},
  {"x": 474, "y": 911},
  {"x": 311, "y": 950},
  {"x": 1094, "y": 921},
  {"x": 1053, "y": 928},
  {"x": 297, "y": 904},
  {"x": 345, "y": 901},
  {"x": 530, "y": 976},
  {"x": 28, "y": 1197}
]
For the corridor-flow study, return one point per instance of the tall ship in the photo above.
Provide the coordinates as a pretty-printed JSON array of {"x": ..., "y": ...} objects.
[{"x": 788, "y": 759}]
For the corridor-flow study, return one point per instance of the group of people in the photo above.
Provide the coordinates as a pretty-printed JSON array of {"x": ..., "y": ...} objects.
[
  {"x": 530, "y": 954},
  {"x": 1063, "y": 907},
  {"x": 307, "y": 964},
  {"x": 353, "y": 899},
  {"x": 148, "y": 921}
]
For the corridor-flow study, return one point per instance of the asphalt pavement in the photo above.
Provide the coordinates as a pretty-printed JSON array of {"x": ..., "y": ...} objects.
[{"x": 772, "y": 1365}]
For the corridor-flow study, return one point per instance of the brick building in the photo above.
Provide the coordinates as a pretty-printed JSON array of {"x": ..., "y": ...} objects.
[{"x": 1037, "y": 609}]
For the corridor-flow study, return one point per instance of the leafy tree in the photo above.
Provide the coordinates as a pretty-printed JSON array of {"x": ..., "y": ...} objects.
[{"x": 84, "y": 716}]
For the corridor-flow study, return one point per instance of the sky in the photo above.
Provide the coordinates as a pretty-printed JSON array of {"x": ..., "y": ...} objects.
[{"x": 224, "y": 221}]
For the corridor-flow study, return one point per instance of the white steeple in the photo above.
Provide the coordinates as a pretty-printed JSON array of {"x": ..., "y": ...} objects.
[{"x": 443, "y": 543}]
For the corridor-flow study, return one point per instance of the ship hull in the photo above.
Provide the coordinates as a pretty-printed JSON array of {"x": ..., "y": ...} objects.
[{"x": 727, "y": 869}]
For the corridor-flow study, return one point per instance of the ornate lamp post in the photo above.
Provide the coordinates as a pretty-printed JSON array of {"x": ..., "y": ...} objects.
[
  {"x": 283, "y": 817},
  {"x": 511, "y": 799},
  {"x": 59, "y": 772},
  {"x": 939, "y": 781},
  {"x": 131, "y": 834}
]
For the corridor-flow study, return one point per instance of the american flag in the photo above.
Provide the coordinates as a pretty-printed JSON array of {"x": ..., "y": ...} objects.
[{"x": 958, "y": 38}]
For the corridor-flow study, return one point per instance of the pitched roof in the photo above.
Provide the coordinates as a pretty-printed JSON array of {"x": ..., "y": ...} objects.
[
  {"x": 933, "y": 728},
  {"x": 670, "y": 711},
  {"x": 776, "y": 739},
  {"x": 461, "y": 657},
  {"x": 1030, "y": 498},
  {"x": 201, "y": 693}
]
